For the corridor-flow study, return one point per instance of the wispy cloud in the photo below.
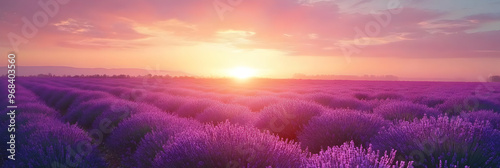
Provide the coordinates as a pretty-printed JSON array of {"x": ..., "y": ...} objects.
[{"x": 318, "y": 28}]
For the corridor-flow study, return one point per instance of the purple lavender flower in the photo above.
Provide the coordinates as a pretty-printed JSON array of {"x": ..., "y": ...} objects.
[
  {"x": 404, "y": 110},
  {"x": 46, "y": 142},
  {"x": 348, "y": 155},
  {"x": 194, "y": 106},
  {"x": 288, "y": 117},
  {"x": 126, "y": 137},
  {"x": 434, "y": 141},
  {"x": 235, "y": 114},
  {"x": 153, "y": 142},
  {"x": 456, "y": 105},
  {"x": 226, "y": 145},
  {"x": 483, "y": 115},
  {"x": 338, "y": 126}
]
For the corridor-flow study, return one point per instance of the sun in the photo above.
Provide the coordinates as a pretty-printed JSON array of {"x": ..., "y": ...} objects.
[{"x": 242, "y": 72}]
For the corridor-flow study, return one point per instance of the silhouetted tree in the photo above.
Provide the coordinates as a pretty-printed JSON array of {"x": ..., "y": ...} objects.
[{"x": 495, "y": 78}]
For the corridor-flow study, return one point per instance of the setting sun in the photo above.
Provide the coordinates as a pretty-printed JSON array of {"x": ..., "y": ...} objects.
[{"x": 242, "y": 72}]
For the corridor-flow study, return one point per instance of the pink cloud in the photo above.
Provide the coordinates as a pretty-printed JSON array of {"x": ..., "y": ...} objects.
[
  {"x": 481, "y": 44},
  {"x": 299, "y": 29}
]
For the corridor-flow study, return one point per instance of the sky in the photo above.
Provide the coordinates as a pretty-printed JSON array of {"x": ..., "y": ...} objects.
[{"x": 413, "y": 39}]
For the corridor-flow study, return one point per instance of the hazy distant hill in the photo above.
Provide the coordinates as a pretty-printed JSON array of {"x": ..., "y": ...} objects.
[{"x": 61, "y": 70}]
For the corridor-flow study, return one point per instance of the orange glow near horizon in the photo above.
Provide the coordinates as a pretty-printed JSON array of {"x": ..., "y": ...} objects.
[{"x": 242, "y": 73}]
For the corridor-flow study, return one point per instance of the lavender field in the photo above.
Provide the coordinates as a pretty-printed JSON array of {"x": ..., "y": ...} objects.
[{"x": 148, "y": 122}]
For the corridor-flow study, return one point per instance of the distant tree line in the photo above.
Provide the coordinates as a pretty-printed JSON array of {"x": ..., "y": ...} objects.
[
  {"x": 81, "y": 76},
  {"x": 347, "y": 77},
  {"x": 111, "y": 76},
  {"x": 495, "y": 78}
]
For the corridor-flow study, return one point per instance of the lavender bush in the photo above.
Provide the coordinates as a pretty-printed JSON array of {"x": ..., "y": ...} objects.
[
  {"x": 22, "y": 95},
  {"x": 337, "y": 102},
  {"x": 388, "y": 95},
  {"x": 320, "y": 98},
  {"x": 338, "y": 126},
  {"x": 362, "y": 96},
  {"x": 49, "y": 143},
  {"x": 126, "y": 137},
  {"x": 483, "y": 115},
  {"x": 90, "y": 114},
  {"x": 226, "y": 145},
  {"x": 455, "y": 105},
  {"x": 86, "y": 112},
  {"x": 429, "y": 100},
  {"x": 348, "y": 155},
  {"x": 67, "y": 100},
  {"x": 404, "y": 110},
  {"x": 38, "y": 107},
  {"x": 235, "y": 114},
  {"x": 349, "y": 103},
  {"x": 453, "y": 142},
  {"x": 89, "y": 95},
  {"x": 194, "y": 106},
  {"x": 153, "y": 142},
  {"x": 257, "y": 103},
  {"x": 121, "y": 110},
  {"x": 168, "y": 103},
  {"x": 119, "y": 91},
  {"x": 288, "y": 117}
]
